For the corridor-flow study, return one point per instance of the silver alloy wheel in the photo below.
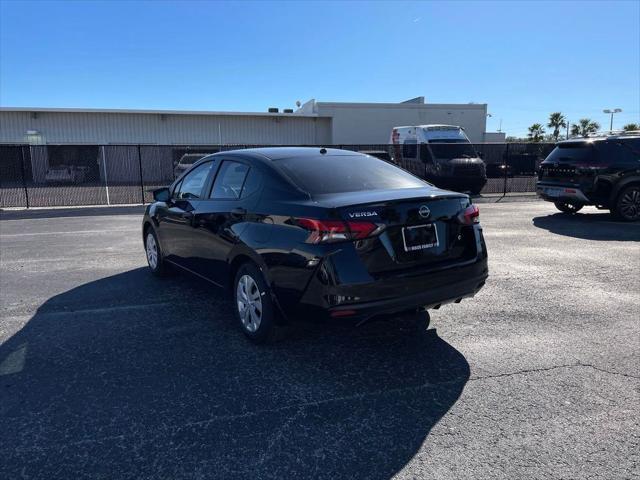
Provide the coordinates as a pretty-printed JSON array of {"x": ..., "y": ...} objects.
[
  {"x": 630, "y": 204},
  {"x": 152, "y": 251},
  {"x": 249, "y": 303}
]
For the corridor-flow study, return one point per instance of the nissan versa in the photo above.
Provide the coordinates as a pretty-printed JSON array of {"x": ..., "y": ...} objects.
[{"x": 301, "y": 232}]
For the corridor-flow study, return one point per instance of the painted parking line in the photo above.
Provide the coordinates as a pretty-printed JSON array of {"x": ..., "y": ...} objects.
[
  {"x": 117, "y": 308},
  {"x": 71, "y": 232}
]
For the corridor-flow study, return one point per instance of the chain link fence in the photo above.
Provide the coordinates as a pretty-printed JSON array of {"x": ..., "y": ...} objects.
[{"x": 71, "y": 175}]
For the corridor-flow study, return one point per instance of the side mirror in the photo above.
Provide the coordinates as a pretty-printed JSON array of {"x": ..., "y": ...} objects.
[{"x": 161, "y": 194}]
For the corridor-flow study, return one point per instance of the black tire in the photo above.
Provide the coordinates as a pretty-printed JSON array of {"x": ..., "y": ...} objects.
[
  {"x": 258, "y": 317},
  {"x": 158, "y": 266},
  {"x": 627, "y": 206},
  {"x": 568, "y": 207}
]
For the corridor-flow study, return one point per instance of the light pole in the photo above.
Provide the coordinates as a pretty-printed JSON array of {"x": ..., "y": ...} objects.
[{"x": 612, "y": 112}]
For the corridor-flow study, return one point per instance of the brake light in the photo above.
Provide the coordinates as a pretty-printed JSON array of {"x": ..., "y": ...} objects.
[
  {"x": 327, "y": 231},
  {"x": 469, "y": 215}
]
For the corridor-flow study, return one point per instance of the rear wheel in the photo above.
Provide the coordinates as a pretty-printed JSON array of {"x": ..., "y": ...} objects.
[
  {"x": 568, "y": 207},
  {"x": 628, "y": 204},
  {"x": 253, "y": 305}
]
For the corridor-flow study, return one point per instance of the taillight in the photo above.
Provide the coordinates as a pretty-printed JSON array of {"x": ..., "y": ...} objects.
[
  {"x": 327, "y": 231},
  {"x": 469, "y": 215}
]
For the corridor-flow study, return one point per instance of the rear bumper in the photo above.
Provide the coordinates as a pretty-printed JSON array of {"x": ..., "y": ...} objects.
[
  {"x": 360, "y": 301},
  {"x": 552, "y": 192},
  {"x": 433, "y": 297}
]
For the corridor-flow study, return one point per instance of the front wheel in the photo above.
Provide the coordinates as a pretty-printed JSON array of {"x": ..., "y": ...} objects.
[
  {"x": 253, "y": 305},
  {"x": 568, "y": 207},
  {"x": 155, "y": 258},
  {"x": 628, "y": 204}
]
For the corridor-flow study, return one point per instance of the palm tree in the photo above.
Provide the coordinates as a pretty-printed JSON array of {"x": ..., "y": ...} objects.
[
  {"x": 631, "y": 126},
  {"x": 557, "y": 121},
  {"x": 536, "y": 133},
  {"x": 584, "y": 127}
]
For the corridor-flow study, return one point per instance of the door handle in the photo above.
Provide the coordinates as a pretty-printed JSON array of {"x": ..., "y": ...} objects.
[{"x": 238, "y": 212}]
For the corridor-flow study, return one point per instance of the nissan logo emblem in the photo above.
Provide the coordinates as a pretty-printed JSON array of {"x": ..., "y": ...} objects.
[{"x": 424, "y": 211}]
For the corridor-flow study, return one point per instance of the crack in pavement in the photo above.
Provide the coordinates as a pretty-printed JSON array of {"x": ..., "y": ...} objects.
[{"x": 553, "y": 367}]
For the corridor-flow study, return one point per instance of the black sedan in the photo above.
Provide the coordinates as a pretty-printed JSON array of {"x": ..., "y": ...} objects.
[{"x": 309, "y": 232}]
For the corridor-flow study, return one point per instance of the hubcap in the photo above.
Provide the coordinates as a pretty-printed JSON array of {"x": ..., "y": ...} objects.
[
  {"x": 249, "y": 303},
  {"x": 152, "y": 251},
  {"x": 630, "y": 204}
]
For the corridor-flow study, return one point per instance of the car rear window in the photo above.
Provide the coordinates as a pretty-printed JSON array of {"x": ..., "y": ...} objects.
[
  {"x": 345, "y": 173},
  {"x": 572, "y": 152}
]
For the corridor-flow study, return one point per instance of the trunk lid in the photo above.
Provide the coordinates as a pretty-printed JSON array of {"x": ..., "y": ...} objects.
[{"x": 410, "y": 220}]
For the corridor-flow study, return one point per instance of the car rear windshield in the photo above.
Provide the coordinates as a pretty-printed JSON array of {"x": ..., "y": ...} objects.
[
  {"x": 572, "y": 152},
  {"x": 345, "y": 173}
]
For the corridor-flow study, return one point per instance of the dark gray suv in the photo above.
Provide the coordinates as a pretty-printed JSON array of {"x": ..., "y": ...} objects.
[{"x": 603, "y": 171}]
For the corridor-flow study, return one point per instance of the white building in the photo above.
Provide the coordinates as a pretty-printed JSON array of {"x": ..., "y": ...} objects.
[
  {"x": 160, "y": 127},
  {"x": 371, "y": 123},
  {"x": 314, "y": 123}
]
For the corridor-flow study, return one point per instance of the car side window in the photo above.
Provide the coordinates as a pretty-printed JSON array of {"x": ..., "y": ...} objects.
[
  {"x": 252, "y": 183},
  {"x": 614, "y": 152},
  {"x": 176, "y": 190},
  {"x": 229, "y": 181},
  {"x": 192, "y": 184},
  {"x": 633, "y": 145}
]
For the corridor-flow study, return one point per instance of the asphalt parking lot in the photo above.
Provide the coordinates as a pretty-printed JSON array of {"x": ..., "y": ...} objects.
[{"x": 108, "y": 372}]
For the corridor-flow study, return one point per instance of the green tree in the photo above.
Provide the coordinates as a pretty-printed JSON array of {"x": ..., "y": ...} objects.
[
  {"x": 631, "y": 126},
  {"x": 584, "y": 127},
  {"x": 536, "y": 133},
  {"x": 557, "y": 121}
]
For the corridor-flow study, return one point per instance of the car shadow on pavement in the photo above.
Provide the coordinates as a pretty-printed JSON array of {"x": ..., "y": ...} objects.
[
  {"x": 135, "y": 376},
  {"x": 589, "y": 226}
]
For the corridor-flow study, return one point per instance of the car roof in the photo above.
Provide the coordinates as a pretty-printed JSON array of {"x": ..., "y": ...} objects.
[
  {"x": 601, "y": 138},
  {"x": 279, "y": 153},
  {"x": 267, "y": 155},
  {"x": 434, "y": 126}
]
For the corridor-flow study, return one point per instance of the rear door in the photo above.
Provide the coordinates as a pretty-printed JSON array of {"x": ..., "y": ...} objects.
[{"x": 221, "y": 218}]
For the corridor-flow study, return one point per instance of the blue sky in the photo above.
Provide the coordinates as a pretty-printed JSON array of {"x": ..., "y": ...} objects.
[{"x": 525, "y": 59}]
